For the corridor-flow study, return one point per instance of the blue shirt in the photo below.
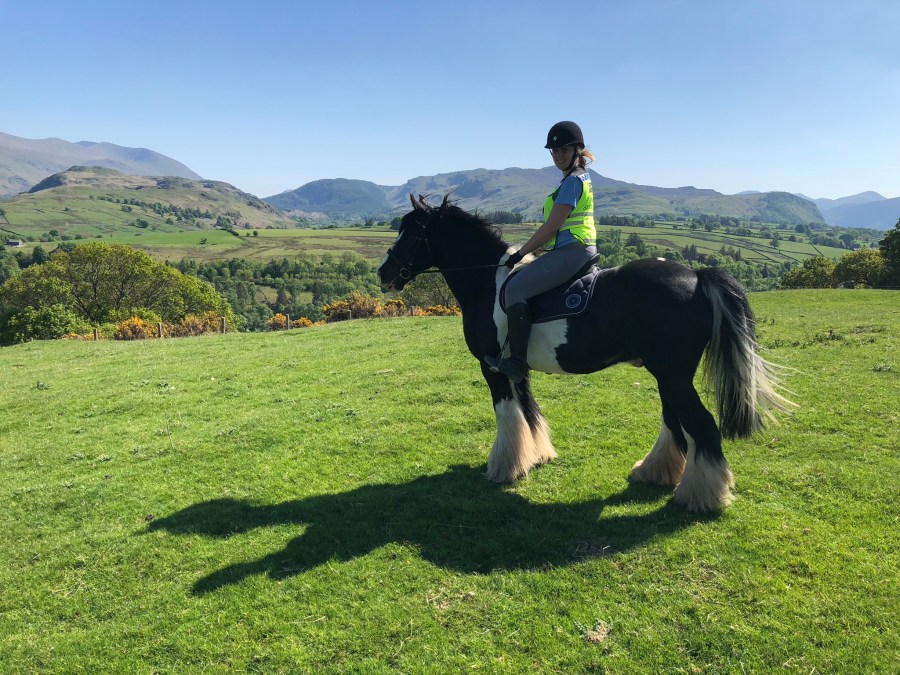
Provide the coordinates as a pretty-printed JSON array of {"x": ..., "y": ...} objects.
[{"x": 569, "y": 193}]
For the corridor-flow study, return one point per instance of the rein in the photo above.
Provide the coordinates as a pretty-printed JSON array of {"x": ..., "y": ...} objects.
[{"x": 458, "y": 269}]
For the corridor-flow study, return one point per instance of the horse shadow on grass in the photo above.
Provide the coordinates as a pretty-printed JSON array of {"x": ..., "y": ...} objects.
[{"x": 456, "y": 520}]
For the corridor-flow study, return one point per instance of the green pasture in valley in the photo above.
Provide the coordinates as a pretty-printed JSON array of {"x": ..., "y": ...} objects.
[
  {"x": 269, "y": 244},
  {"x": 314, "y": 501},
  {"x": 754, "y": 249}
]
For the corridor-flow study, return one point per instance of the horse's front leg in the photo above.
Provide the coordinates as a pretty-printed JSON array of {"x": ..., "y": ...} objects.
[{"x": 523, "y": 438}]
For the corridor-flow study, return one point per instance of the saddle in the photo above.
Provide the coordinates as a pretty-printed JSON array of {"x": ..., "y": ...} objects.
[{"x": 566, "y": 300}]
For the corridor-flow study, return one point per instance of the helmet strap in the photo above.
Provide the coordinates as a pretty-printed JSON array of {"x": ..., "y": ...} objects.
[{"x": 571, "y": 166}]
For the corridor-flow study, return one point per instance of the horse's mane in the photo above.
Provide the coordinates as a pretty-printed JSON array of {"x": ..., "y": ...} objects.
[{"x": 448, "y": 211}]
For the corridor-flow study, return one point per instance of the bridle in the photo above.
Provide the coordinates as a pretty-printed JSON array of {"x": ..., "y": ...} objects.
[{"x": 407, "y": 273}]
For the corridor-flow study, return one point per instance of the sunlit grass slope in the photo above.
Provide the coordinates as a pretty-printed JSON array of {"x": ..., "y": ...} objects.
[{"x": 314, "y": 501}]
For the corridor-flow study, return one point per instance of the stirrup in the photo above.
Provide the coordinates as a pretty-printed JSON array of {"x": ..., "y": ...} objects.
[{"x": 514, "y": 370}]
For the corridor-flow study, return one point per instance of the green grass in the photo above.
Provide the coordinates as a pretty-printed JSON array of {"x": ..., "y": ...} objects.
[{"x": 314, "y": 501}]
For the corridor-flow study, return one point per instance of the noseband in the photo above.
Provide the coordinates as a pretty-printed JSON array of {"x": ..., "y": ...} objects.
[{"x": 406, "y": 272}]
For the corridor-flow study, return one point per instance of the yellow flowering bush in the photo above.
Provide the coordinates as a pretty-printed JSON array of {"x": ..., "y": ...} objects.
[
  {"x": 394, "y": 307},
  {"x": 277, "y": 322},
  {"x": 441, "y": 310},
  {"x": 134, "y": 328},
  {"x": 304, "y": 322},
  {"x": 192, "y": 325},
  {"x": 357, "y": 306}
]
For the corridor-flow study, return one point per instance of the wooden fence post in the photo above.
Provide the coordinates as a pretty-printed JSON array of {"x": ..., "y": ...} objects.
[
  {"x": 287, "y": 321},
  {"x": 223, "y": 325},
  {"x": 96, "y": 334},
  {"x": 159, "y": 326}
]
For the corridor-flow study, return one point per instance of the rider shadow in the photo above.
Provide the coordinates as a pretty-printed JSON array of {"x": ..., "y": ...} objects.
[{"x": 457, "y": 520}]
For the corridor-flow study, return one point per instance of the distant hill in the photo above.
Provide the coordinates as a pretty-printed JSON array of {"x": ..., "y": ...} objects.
[
  {"x": 25, "y": 162},
  {"x": 524, "y": 191},
  {"x": 85, "y": 202},
  {"x": 339, "y": 197},
  {"x": 866, "y": 209}
]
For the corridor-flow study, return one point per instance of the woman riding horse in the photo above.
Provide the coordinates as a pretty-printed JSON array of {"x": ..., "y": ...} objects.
[{"x": 651, "y": 312}]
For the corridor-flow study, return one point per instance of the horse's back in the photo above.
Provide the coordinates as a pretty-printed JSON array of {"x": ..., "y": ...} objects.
[{"x": 650, "y": 309}]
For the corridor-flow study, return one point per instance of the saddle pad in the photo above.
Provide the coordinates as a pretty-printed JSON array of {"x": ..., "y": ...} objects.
[{"x": 562, "y": 302}]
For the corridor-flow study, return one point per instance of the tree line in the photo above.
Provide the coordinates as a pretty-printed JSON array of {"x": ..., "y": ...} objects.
[
  {"x": 872, "y": 267},
  {"x": 75, "y": 288},
  {"x": 98, "y": 286}
]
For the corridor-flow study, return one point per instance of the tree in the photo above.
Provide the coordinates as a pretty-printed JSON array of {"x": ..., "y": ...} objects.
[
  {"x": 101, "y": 283},
  {"x": 863, "y": 266},
  {"x": 39, "y": 255},
  {"x": 428, "y": 290},
  {"x": 890, "y": 255},
  {"x": 44, "y": 323},
  {"x": 9, "y": 266},
  {"x": 813, "y": 273}
]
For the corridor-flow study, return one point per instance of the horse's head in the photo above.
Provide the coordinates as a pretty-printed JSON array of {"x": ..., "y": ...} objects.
[{"x": 410, "y": 253}]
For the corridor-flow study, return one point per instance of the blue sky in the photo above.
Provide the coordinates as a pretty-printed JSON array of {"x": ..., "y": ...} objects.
[{"x": 731, "y": 95}]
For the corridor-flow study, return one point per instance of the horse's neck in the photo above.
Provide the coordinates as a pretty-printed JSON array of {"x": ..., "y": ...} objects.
[{"x": 468, "y": 267}]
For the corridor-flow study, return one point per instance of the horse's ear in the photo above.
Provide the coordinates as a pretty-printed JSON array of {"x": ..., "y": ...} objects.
[{"x": 415, "y": 204}]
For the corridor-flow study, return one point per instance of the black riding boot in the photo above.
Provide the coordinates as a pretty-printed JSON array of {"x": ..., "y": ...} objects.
[{"x": 516, "y": 366}]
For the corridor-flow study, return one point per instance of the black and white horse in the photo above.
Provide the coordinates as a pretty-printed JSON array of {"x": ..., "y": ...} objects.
[{"x": 653, "y": 313}]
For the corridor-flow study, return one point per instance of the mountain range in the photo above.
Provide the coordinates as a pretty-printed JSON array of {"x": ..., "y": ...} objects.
[
  {"x": 867, "y": 209},
  {"x": 24, "y": 163},
  {"x": 524, "y": 190}
]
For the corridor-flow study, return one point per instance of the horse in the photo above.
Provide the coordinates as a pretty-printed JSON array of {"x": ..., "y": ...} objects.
[{"x": 652, "y": 313}]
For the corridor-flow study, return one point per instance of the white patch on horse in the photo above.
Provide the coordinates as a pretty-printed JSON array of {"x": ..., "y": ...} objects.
[
  {"x": 705, "y": 485},
  {"x": 664, "y": 464},
  {"x": 516, "y": 449},
  {"x": 545, "y": 337}
]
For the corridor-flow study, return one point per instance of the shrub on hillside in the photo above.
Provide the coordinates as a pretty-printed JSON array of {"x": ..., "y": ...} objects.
[
  {"x": 357, "y": 306},
  {"x": 393, "y": 307},
  {"x": 815, "y": 272},
  {"x": 862, "y": 267},
  {"x": 277, "y": 322},
  {"x": 44, "y": 323},
  {"x": 304, "y": 322},
  {"x": 193, "y": 325},
  {"x": 135, "y": 328}
]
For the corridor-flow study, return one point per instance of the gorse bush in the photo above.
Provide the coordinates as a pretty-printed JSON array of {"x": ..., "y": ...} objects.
[
  {"x": 136, "y": 328},
  {"x": 436, "y": 310},
  {"x": 361, "y": 306},
  {"x": 280, "y": 322}
]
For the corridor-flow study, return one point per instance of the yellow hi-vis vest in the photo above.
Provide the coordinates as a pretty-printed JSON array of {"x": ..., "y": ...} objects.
[{"x": 580, "y": 222}]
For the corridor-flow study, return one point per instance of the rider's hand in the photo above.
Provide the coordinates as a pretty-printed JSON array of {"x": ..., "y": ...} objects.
[{"x": 513, "y": 260}]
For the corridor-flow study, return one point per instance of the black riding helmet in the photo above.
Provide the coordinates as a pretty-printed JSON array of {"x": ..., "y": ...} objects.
[{"x": 562, "y": 134}]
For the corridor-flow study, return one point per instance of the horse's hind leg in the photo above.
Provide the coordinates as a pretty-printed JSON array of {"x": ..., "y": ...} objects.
[
  {"x": 707, "y": 481},
  {"x": 664, "y": 464},
  {"x": 523, "y": 439}
]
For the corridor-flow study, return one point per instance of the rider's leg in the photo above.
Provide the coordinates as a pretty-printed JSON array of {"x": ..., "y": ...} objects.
[
  {"x": 515, "y": 367},
  {"x": 542, "y": 274}
]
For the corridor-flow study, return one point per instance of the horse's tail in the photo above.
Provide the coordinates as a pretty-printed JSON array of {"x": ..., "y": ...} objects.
[{"x": 746, "y": 385}]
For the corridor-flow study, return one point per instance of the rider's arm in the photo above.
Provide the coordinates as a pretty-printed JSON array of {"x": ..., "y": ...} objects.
[{"x": 545, "y": 232}]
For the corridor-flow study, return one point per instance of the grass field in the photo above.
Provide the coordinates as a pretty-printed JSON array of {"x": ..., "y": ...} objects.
[
  {"x": 314, "y": 501},
  {"x": 752, "y": 248},
  {"x": 214, "y": 245},
  {"x": 209, "y": 245}
]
